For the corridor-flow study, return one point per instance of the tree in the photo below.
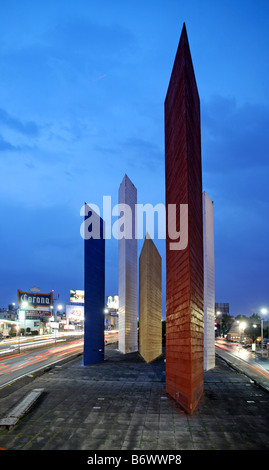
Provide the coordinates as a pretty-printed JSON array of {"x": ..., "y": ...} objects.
[
  {"x": 242, "y": 318},
  {"x": 226, "y": 322},
  {"x": 254, "y": 326}
]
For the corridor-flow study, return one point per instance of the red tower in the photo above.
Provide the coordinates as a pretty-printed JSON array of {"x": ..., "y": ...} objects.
[{"x": 184, "y": 267}]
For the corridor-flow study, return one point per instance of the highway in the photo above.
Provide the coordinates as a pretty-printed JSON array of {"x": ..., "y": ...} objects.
[
  {"x": 25, "y": 342},
  {"x": 248, "y": 362},
  {"x": 25, "y": 362},
  {"x": 24, "y": 356}
]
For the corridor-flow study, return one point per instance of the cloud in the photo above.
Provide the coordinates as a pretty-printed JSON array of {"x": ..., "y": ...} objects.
[
  {"x": 6, "y": 146},
  {"x": 143, "y": 153},
  {"x": 28, "y": 128},
  {"x": 235, "y": 137},
  {"x": 101, "y": 77},
  {"x": 235, "y": 149},
  {"x": 82, "y": 35},
  {"x": 14, "y": 130}
]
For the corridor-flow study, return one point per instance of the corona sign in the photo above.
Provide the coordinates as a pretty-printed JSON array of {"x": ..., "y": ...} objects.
[{"x": 35, "y": 299}]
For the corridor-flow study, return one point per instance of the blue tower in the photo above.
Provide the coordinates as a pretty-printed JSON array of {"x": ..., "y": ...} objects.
[{"x": 94, "y": 287}]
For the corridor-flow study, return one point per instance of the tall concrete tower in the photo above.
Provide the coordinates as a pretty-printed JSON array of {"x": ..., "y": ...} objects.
[
  {"x": 150, "y": 301},
  {"x": 184, "y": 265},
  {"x": 94, "y": 287},
  {"x": 209, "y": 283},
  {"x": 128, "y": 338}
]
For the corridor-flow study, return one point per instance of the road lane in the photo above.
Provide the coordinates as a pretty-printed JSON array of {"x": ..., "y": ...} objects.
[
  {"x": 23, "y": 343},
  {"x": 242, "y": 359},
  {"x": 17, "y": 365}
]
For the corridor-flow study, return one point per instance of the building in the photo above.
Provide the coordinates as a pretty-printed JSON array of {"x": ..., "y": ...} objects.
[
  {"x": 8, "y": 322},
  {"x": 184, "y": 262},
  {"x": 7, "y": 314},
  {"x": 221, "y": 307},
  {"x": 128, "y": 305},
  {"x": 209, "y": 283},
  {"x": 94, "y": 287},
  {"x": 112, "y": 313},
  {"x": 35, "y": 311},
  {"x": 150, "y": 301}
]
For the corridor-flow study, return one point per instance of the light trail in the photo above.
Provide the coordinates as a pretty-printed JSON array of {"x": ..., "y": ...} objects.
[
  {"x": 30, "y": 362},
  {"x": 243, "y": 356},
  {"x": 55, "y": 352}
]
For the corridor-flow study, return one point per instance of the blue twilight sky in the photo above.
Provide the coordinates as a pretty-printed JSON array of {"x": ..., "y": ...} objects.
[{"x": 82, "y": 89}]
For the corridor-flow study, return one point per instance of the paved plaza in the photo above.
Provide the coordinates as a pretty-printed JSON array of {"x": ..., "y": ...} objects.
[{"x": 121, "y": 404}]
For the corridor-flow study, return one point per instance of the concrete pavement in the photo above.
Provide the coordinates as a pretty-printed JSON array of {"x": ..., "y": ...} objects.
[{"x": 121, "y": 404}]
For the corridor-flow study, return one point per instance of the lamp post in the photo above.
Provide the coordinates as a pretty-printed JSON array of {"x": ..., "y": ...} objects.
[
  {"x": 254, "y": 336},
  {"x": 21, "y": 314},
  {"x": 242, "y": 326},
  {"x": 58, "y": 308},
  {"x": 218, "y": 313},
  {"x": 20, "y": 317},
  {"x": 264, "y": 312},
  {"x": 18, "y": 333}
]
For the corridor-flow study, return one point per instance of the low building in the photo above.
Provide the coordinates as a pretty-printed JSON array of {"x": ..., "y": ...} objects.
[
  {"x": 112, "y": 313},
  {"x": 221, "y": 307},
  {"x": 35, "y": 311}
]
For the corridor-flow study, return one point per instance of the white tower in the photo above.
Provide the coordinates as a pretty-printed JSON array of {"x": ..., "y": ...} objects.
[
  {"x": 128, "y": 339},
  {"x": 209, "y": 283}
]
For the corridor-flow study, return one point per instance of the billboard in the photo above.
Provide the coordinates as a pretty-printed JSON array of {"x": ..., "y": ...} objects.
[
  {"x": 28, "y": 314},
  {"x": 77, "y": 296},
  {"x": 75, "y": 312},
  {"x": 35, "y": 300},
  {"x": 112, "y": 302}
]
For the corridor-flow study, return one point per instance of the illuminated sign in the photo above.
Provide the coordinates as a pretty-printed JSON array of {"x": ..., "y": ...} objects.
[
  {"x": 77, "y": 296},
  {"x": 75, "y": 312},
  {"x": 112, "y": 302},
  {"x": 37, "y": 313},
  {"x": 35, "y": 299}
]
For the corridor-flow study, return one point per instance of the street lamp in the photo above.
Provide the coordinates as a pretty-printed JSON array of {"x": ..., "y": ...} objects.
[
  {"x": 18, "y": 329},
  {"x": 242, "y": 326},
  {"x": 21, "y": 313},
  {"x": 59, "y": 307},
  {"x": 254, "y": 339},
  {"x": 264, "y": 312},
  {"x": 219, "y": 323}
]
